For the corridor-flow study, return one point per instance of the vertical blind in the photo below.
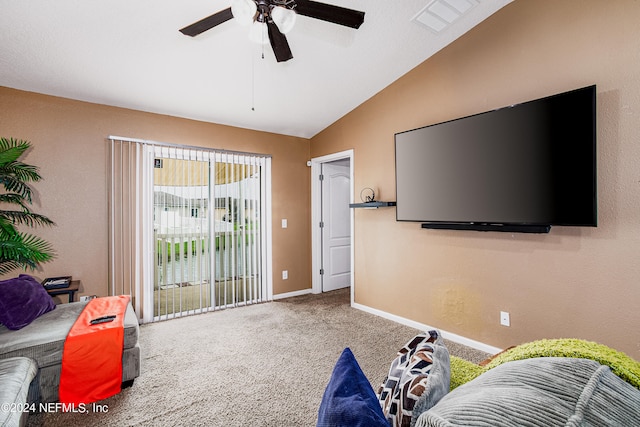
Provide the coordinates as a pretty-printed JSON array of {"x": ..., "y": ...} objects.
[
  {"x": 129, "y": 197},
  {"x": 188, "y": 228}
]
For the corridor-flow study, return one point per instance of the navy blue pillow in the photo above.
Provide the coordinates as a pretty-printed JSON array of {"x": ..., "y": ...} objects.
[
  {"x": 22, "y": 300},
  {"x": 349, "y": 399}
]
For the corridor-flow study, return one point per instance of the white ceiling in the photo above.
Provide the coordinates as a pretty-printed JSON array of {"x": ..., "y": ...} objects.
[{"x": 130, "y": 54}]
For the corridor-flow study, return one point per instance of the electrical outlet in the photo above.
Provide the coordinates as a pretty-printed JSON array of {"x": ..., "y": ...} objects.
[
  {"x": 285, "y": 274},
  {"x": 84, "y": 298},
  {"x": 505, "y": 320}
]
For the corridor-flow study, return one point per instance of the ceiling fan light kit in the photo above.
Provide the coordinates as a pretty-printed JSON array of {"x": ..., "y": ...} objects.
[
  {"x": 272, "y": 19},
  {"x": 284, "y": 18},
  {"x": 243, "y": 11}
]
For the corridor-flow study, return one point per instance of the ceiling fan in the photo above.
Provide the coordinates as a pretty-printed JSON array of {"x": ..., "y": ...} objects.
[{"x": 272, "y": 19}]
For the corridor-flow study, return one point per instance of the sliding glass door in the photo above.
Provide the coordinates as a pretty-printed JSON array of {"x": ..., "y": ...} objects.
[
  {"x": 208, "y": 229},
  {"x": 188, "y": 228}
]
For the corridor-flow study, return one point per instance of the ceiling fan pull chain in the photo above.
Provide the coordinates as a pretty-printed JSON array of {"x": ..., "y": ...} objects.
[
  {"x": 253, "y": 83},
  {"x": 263, "y": 42}
]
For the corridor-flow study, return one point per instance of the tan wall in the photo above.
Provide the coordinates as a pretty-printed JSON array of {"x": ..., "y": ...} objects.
[
  {"x": 573, "y": 282},
  {"x": 70, "y": 148}
]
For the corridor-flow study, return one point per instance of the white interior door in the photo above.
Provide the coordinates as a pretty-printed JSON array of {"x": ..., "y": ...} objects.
[{"x": 336, "y": 230}]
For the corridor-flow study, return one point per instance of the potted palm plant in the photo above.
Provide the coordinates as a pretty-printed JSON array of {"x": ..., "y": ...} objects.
[{"x": 19, "y": 250}]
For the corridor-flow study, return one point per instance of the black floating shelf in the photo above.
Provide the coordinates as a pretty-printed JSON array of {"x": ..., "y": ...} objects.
[{"x": 372, "y": 205}]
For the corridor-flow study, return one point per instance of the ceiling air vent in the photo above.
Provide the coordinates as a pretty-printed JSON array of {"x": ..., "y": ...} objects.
[{"x": 439, "y": 14}]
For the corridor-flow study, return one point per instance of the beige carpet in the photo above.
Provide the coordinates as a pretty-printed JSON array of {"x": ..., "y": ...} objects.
[{"x": 261, "y": 365}]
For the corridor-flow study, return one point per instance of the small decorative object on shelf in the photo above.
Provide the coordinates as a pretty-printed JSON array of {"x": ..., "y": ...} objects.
[{"x": 368, "y": 197}]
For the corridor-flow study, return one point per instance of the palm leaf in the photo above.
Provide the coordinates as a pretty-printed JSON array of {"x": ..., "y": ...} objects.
[
  {"x": 11, "y": 150},
  {"x": 6, "y": 266},
  {"x": 25, "y": 217},
  {"x": 21, "y": 170},
  {"x": 14, "y": 178},
  {"x": 12, "y": 198},
  {"x": 7, "y": 229},
  {"x": 25, "y": 249}
]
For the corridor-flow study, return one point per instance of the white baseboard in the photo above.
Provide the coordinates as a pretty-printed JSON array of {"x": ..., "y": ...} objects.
[
  {"x": 446, "y": 335},
  {"x": 292, "y": 294}
]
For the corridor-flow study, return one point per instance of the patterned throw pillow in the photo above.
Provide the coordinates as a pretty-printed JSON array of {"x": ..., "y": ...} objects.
[{"x": 418, "y": 377}]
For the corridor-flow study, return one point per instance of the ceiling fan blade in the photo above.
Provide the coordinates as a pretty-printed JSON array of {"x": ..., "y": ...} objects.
[
  {"x": 330, "y": 13},
  {"x": 279, "y": 43},
  {"x": 207, "y": 23}
]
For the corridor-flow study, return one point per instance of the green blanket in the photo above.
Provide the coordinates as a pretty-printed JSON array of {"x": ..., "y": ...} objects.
[{"x": 622, "y": 365}]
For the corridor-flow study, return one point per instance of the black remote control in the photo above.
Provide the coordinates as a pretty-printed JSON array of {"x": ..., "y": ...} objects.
[{"x": 103, "y": 319}]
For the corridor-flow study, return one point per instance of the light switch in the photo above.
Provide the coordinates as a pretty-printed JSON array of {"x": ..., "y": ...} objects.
[{"x": 284, "y": 223}]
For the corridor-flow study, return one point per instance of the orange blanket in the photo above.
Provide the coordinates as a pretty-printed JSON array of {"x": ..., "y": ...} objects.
[{"x": 92, "y": 355}]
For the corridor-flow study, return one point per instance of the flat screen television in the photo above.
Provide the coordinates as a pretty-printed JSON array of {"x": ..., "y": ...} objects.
[{"x": 521, "y": 168}]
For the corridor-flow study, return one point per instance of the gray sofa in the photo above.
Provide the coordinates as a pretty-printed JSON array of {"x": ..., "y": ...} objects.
[
  {"x": 545, "y": 391},
  {"x": 16, "y": 373},
  {"x": 42, "y": 342}
]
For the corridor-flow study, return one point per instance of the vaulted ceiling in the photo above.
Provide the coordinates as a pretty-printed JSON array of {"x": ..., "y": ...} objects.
[{"x": 130, "y": 54}]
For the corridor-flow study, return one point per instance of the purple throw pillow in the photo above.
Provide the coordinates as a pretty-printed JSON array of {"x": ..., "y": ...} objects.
[{"x": 22, "y": 300}]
